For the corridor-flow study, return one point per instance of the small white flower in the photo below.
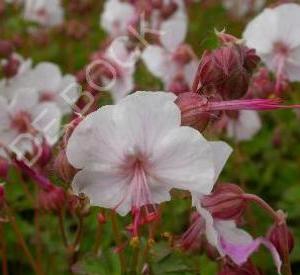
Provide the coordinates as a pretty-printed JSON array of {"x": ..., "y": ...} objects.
[
  {"x": 24, "y": 118},
  {"x": 49, "y": 83},
  {"x": 245, "y": 126},
  {"x": 116, "y": 17},
  {"x": 48, "y": 13},
  {"x": 131, "y": 154},
  {"x": 275, "y": 34}
]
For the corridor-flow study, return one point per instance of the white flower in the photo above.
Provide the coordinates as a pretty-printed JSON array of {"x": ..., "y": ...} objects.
[
  {"x": 131, "y": 154},
  {"x": 241, "y": 8},
  {"x": 49, "y": 83},
  {"x": 162, "y": 64},
  {"x": 48, "y": 13},
  {"x": 245, "y": 126},
  {"x": 116, "y": 17},
  {"x": 275, "y": 34},
  {"x": 24, "y": 119},
  {"x": 121, "y": 61}
]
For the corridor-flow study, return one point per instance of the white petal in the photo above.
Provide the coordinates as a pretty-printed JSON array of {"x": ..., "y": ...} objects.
[
  {"x": 145, "y": 117},
  {"x": 47, "y": 119},
  {"x": 156, "y": 60},
  {"x": 221, "y": 152},
  {"x": 96, "y": 140},
  {"x": 183, "y": 159},
  {"x": 24, "y": 100},
  {"x": 104, "y": 188},
  {"x": 173, "y": 31},
  {"x": 245, "y": 127}
]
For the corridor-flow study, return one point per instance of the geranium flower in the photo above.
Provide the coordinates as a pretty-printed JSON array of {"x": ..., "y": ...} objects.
[
  {"x": 49, "y": 83},
  {"x": 275, "y": 34},
  {"x": 116, "y": 17},
  {"x": 117, "y": 64},
  {"x": 46, "y": 13},
  {"x": 226, "y": 237},
  {"x": 25, "y": 120},
  {"x": 131, "y": 155}
]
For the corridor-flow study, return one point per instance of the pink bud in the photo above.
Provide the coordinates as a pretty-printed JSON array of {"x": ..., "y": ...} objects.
[
  {"x": 193, "y": 110},
  {"x": 225, "y": 202},
  {"x": 226, "y": 71},
  {"x": 248, "y": 268},
  {"x": 282, "y": 238},
  {"x": 10, "y": 69},
  {"x": 6, "y": 48},
  {"x": 4, "y": 167},
  {"x": 53, "y": 199},
  {"x": 46, "y": 154},
  {"x": 184, "y": 54}
]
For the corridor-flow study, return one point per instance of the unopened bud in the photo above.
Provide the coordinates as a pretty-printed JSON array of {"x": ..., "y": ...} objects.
[
  {"x": 282, "y": 238},
  {"x": 226, "y": 202},
  {"x": 52, "y": 199},
  {"x": 193, "y": 113},
  {"x": 46, "y": 154},
  {"x": 11, "y": 67},
  {"x": 6, "y": 49},
  {"x": 248, "y": 268}
]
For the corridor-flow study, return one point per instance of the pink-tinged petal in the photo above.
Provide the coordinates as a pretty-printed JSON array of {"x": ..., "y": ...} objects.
[
  {"x": 183, "y": 159},
  {"x": 173, "y": 31},
  {"x": 107, "y": 188},
  {"x": 245, "y": 126},
  {"x": 190, "y": 72},
  {"x": 144, "y": 118},
  {"x": 240, "y": 253},
  {"x": 99, "y": 139}
]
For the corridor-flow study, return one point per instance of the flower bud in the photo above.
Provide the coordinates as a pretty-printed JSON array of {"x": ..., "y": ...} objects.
[
  {"x": 52, "y": 199},
  {"x": 225, "y": 202},
  {"x": 6, "y": 49},
  {"x": 11, "y": 67},
  {"x": 282, "y": 238},
  {"x": 226, "y": 71},
  {"x": 4, "y": 167},
  {"x": 184, "y": 54},
  {"x": 76, "y": 30},
  {"x": 46, "y": 154},
  {"x": 192, "y": 107},
  {"x": 64, "y": 169},
  {"x": 248, "y": 268}
]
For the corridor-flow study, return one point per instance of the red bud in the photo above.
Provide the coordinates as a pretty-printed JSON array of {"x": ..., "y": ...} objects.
[
  {"x": 225, "y": 202},
  {"x": 53, "y": 199},
  {"x": 6, "y": 48}
]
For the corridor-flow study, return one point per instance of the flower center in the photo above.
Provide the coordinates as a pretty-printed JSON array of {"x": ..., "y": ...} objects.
[
  {"x": 21, "y": 121},
  {"x": 47, "y": 96}
]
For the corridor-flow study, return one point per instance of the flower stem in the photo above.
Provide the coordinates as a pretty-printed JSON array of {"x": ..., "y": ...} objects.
[
  {"x": 118, "y": 241},
  {"x": 264, "y": 205},
  {"x": 37, "y": 269},
  {"x": 98, "y": 238},
  {"x": 3, "y": 251},
  {"x": 62, "y": 228}
]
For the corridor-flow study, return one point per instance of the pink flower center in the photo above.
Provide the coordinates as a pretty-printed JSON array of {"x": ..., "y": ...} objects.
[
  {"x": 21, "y": 122},
  {"x": 47, "y": 96},
  {"x": 142, "y": 207}
]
